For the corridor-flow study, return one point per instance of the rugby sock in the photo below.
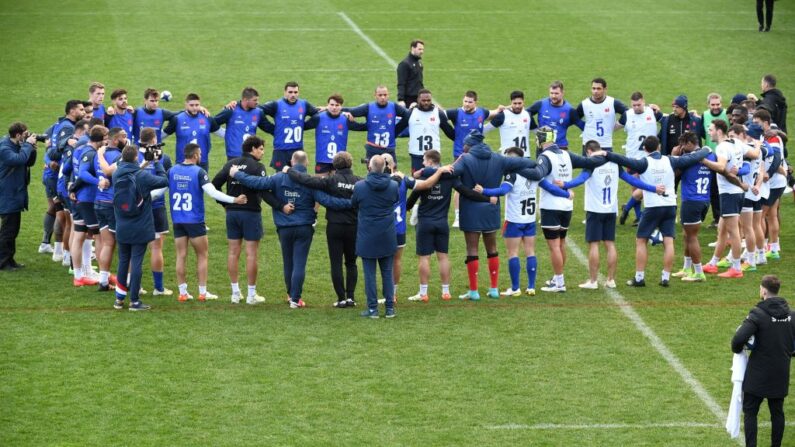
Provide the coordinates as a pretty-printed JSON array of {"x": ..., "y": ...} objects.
[
  {"x": 559, "y": 281},
  {"x": 121, "y": 293},
  {"x": 714, "y": 260},
  {"x": 183, "y": 289},
  {"x": 639, "y": 276},
  {"x": 78, "y": 272},
  {"x": 157, "y": 278},
  {"x": 637, "y": 209},
  {"x": 630, "y": 203},
  {"x": 252, "y": 290},
  {"x": 202, "y": 289},
  {"x": 59, "y": 248},
  {"x": 103, "y": 277},
  {"x": 445, "y": 289},
  {"x": 751, "y": 259},
  {"x": 423, "y": 289},
  {"x": 736, "y": 264},
  {"x": 688, "y": 263},
  {"x": 513, "y": 269},
  {"x": 760, "y": 256},
  {"x": 235, "y": 288},
  {"x": 531, "y": 266},
  {"x": 666, "y": 276},
  {"x": 494, "y": 269},
  {"x": 774, "y": 246},
  {"x": 473, "y": 265},
  {"x": 87, "y": 254},
  {"x": 698, "y": 268},
  {"x": 67, "y": 258},
  {"x": 456, "y": 214},
  {"x": 49, "y": 224}
]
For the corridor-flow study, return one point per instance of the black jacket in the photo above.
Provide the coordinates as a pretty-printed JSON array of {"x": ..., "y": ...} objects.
[
  {"x": 773, "y": 327},
  {"x": 248, "y": 164},
  {"x": 339, "y": 184},
  {"x": 409, "y": 77},
  {"x": 774, "y": 102}
]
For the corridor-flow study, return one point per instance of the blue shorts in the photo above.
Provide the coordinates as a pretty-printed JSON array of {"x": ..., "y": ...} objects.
[
  {"x": 600, "y": 227},
  {"x": 242, "y": 224},
  {"x": 161, "y": 219},
  {"x": 731, "y": 204},
  {"x": 752, "y": 206},
  {"x": 189, "y": 230},
  {"x": 416, "y": 163},
  {"x": 775, "y": 194},
  {"x": 87, "y": 214},
  {"x": 106, "y": 217},
  {"x": 693, "y": 212},
  {"x": 401, "y": 240},
  {"x": 50, "y": 187},
  {"x": 66, "y": 202},
  {"x": 432, "y": 236},
  {"x": 662, "y": 217},
  {"x": 280, "y": 159},
  {"x": 513, "y": 230},
  {"x": 322, "y": 168},
  {"x": 555, "y": 219}
]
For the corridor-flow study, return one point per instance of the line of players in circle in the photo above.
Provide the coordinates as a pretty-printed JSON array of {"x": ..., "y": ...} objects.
[{"x": 742, "y": 158}]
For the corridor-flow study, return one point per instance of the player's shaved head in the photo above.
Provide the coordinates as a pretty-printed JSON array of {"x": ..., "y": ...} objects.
[{"x": 299, "y": 158}]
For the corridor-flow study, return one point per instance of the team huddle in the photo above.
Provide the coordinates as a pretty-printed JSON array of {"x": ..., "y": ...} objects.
[{"x": 109, "y": 181}]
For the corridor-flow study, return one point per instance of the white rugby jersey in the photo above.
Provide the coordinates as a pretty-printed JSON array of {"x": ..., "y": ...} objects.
[
  {"x": 600, "y": 120},
  {"x": 424, "y": 131},
  {"x": 520, "y": 202},
  {"x": 515, "y": 131},
  {"x": 601, "y": 190},
  {"x": 659, "y": 172},
  {"x": 561, "y": 170},
  {"x": 638, "y": 127}
]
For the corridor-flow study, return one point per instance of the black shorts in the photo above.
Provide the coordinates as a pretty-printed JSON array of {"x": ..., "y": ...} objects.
[
  {"x": 662, "y": 217},
  {"x": 693, "y": 212},
  {"x": 731, "y": 204},
  {"x": 555, "y": 219},
  {"x": 242, "y": 224},
  {"x": 161, "y": 219},
  {"x": 600, "y": 227},
  {"x": 416, "y": 163},
  {"x": 432, "y": 236},
  {"x": 280, "y": 159},
  {"x": 322, "y": 168},
  {"x": 189, "y": 230},
  {"x": 66, "y": 202},
  {"x": 775, "y": 194},
  {"x": 370, "y": 150},
  {"x": 752, "y": 206},
  {"x": 106, "y": 217},
  {"x": 401, "y": 240},
  {"x": 50, "y": 187},
  {"x": 87, "y": 214}
]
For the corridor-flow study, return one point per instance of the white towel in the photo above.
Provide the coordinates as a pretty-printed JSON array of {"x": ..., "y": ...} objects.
[{"x": 739, "y": 363}]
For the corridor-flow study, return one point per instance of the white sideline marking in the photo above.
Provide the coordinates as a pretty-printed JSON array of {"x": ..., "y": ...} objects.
[
  {"x": 373, "y": 45},
  {"x": 650, "y": 425},
  {"x": 629, "y": 312}
]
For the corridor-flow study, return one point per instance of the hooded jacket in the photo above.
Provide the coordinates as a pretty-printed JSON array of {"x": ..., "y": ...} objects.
[
  {"x": 773, "y": 327},
  {"x": 376, "y": 197},
  {"x": 139, "y": 229},
  {"x": 774, "y": 102},
  {"x": 339, "y": 184},
  {"x": 486, "y": 168}
]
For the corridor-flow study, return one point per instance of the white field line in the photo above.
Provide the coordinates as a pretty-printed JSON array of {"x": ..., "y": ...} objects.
[
  {"x": 655, "y": 341},
  {"x": 648, "y": 426},
  {"x": 373, "y": 45}
]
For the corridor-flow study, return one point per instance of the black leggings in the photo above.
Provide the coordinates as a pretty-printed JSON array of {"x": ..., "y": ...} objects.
[
  {"x": 751, "y": 405},
  {"x": 341, "y": 239},
  {"x": 768, "y": 12}
]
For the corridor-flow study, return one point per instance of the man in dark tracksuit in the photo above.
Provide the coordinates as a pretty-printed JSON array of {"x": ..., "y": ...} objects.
[
  {"x": 341, "y": 227},
  {"x": 295, "y": 229},
  {"x": 772, "y": 326},
  {"x": 409, "y": 75},
  {"x": 17, "y": 155}
]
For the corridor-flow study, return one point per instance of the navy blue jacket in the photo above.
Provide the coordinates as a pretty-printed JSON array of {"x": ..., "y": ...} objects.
[
  {"x": 288, "y": 191},
  {"x": 141, "y": 228},
  {"x": 482, "y": 166},
  {"x": 15, "y": 162},
  {"x": 672, "y": 127},
  {"x": 376, "y": 197}
]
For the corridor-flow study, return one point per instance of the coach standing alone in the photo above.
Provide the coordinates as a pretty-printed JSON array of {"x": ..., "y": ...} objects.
[
  {"x": 17, "y": 155},
  {"x": 772, "y": 326},
  {"x": 409, "y": 75}
]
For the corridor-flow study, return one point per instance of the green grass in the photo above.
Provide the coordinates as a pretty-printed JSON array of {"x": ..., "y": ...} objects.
[{"x": 74, "y": 372}]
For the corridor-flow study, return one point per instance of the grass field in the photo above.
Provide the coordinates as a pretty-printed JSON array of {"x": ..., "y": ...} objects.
[{"x": 554, "y": 370}]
